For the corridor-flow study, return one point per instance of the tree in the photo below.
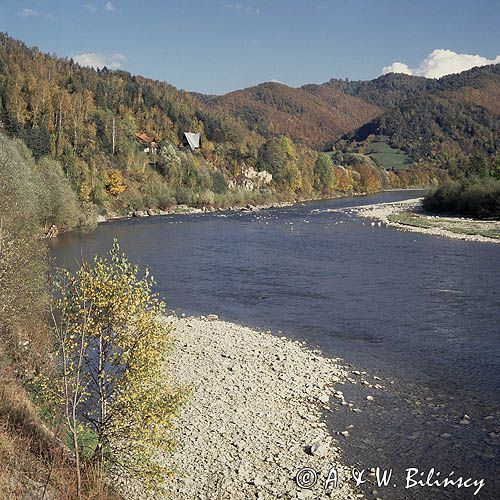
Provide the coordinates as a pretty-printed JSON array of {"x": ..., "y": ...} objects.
[
  {"x": 112, "y": 346},
  {"x": 324, "y": 180},
  {"x": 115, "y": 184},
  {"x": 59, "y": 204},
  {"x": 278, "y": 156},
  {"x": 477, "y": 165},
  {"x": 22, "y": 256}
]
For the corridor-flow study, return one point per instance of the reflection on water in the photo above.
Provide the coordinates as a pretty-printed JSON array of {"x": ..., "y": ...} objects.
[{"x": 418, "y": 310}]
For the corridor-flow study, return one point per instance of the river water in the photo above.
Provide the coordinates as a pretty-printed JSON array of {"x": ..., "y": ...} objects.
[{"x": 421, "y": 313}]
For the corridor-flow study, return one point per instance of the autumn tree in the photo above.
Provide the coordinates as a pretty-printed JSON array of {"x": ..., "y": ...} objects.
[
  {"x": 278, "y": 156},
  {"x": 115, "y": 184},
  {"x": 112, "y": 344}
]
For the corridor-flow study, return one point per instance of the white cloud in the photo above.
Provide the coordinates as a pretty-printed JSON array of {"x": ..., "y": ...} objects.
[
  {"x": 109, "y": 7},
  {"x": 397, "y": 67},
  {"x": 96, "y": 61},
  {"x": 441, "y": 62},
  {"x": 118, "y": 57},
  {"x": 90, "y": 7},
  {"x": 35, "y": 13},
  {"x": 28, "y": 13},
  {"x": 247, "y": 9}
]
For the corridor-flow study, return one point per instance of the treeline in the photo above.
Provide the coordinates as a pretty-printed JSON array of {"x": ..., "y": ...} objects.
[
  {"x": 86, "y": 122},
  {"x": 392, "y": 89},
  {"x": 474, "y": 192}
]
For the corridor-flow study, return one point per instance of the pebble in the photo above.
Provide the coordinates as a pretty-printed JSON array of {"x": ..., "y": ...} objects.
[
  {"x": 465, "y": 420},
  {"x": 319, "y": 448},
  {"x": 303, "y": 494},
  {"x": 324, "y": 398}
]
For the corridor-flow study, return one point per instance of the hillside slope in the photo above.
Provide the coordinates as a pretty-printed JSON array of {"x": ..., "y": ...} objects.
[
  {"x": 429, "y": 119},
  {"x": 437, "y": 120},
  {"x": 314, "y": 116}
]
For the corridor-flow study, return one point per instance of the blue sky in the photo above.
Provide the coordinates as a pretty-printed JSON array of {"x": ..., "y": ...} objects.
[{"x": 215, "y": 46}]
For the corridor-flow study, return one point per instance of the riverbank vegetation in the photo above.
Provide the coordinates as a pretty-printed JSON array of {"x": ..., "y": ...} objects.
[
  {"x": 475, "y": 191},
  {"x": 34, "y": 458},
  {"x": 110, "y": 381},
  {"x": 55, "y": 439}
]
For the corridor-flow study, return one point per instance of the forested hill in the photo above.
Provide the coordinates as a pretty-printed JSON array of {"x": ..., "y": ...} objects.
[
  {"x": 88, "y": 121},
  {"x": 42, "y": 93},
  {"x": 429, "y": 119},
  {"x": 437, "y": 120},
  {"x": 313, "y": 118},
  {"x": 390, "y": 90}
]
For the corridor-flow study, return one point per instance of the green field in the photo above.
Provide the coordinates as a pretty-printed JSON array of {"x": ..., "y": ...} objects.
[{"x": 385, "y": 155}]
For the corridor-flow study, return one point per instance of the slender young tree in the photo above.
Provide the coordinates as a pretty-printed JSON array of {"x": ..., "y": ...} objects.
[{"x": 112, "y": 345}]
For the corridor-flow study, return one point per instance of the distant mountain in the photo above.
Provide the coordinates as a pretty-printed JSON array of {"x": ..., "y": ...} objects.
[
  {"x": 435, "y": 120},
  {"x": 385, "y": 91},
  {"x": 429, "y": 119},
  {"x": 314, "y": 118}
]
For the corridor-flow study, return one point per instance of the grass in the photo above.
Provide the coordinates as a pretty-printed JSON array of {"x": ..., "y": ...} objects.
[
  {"x": 33, "y": 459},
  {"x": 488, "y": 229},
  {"x": 385, "y": 155}
]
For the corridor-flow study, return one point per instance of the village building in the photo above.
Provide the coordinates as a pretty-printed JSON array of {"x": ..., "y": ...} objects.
[
  {"x": 191, "y": 140},
  {"x": 149, "y": 144}
]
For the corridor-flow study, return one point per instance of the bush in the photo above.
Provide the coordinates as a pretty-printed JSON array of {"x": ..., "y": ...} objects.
[
  {"x": 59, "y": 201},
  {"x": 472, "y": 197},
  {"x": 112, "y": 344}
]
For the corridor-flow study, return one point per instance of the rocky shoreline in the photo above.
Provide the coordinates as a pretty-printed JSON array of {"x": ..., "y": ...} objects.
[
  {"x": 254, "y": 416},
  {"x": 449, "y": 227},
  {"x": 188, "y": 210}
]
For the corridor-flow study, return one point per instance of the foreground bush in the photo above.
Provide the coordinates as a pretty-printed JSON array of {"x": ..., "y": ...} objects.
[
  {"x": 111, "y": 384},
  {"x": 472, "y": 196}
]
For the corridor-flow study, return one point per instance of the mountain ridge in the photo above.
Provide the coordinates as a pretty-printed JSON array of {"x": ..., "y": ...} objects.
[{"x": 338, "y": 107}]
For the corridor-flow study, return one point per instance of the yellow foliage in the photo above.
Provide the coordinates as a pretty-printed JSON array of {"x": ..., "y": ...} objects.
[
  {"x": 115, "y": 183},
  {"x": 112, "y": 322},
  {"x": 85, "y": 191}
]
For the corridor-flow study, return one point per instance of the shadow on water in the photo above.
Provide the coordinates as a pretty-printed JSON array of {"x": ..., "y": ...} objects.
[{"x": 420, "y": 311}]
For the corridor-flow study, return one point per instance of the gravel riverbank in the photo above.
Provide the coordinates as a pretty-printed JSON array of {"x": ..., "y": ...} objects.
[
  {"x": 254, "y": 417},
  {"x": 407, "y": 216}
]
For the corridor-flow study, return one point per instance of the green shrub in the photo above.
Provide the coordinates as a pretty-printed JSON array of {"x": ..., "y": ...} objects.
[
  {"x": 60, "y": 203},
  {"x": 472, "y": 197}
]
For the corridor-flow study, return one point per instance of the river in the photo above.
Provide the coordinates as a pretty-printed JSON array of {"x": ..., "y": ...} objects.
[{"x": 422, "y": 313}]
